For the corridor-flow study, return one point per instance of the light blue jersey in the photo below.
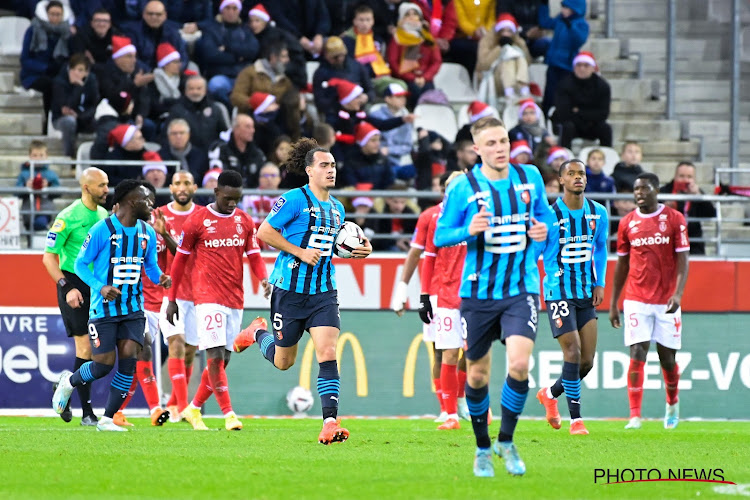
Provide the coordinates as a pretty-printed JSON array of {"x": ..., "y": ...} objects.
[
  {"x": 118, "y": 254},
  {"x": 575, "y": 255},
  {"x": 501, "y": 262},
  {"x": 306, "y": 222}
]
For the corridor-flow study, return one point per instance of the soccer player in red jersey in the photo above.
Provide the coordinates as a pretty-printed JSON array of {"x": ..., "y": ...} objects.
[
  {"x": 441, "y": 277},
  {"x": 182, "y": 338},
  {"x": 652, "y": 249},
  {"x": 219, "y": 235}
]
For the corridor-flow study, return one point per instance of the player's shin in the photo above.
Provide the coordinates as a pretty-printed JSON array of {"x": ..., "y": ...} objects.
[
  {"x": 205, "y": 389},
  {"x": 449, "y": 385},
  {"x": 217, "y": 375},
  {"x": 84, "y": 390},
  {"x": 671, "y": 382},
  {"x": 176, "y": 368},
  {"x": 267, "y": 345},
  {"x": 635, "y": 386},
  {"x": 479, "y": 404},
  {"x": 328, "y": 388},
  {"x": 513, "y": 400},
  {"x": 147, "y": 382},
  {"x": 571, "y": 382},
  {"x": 120, "y": 386}
]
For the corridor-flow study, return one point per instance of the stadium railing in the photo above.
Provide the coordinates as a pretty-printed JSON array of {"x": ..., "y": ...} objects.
[{"x": 715, "y": 237}]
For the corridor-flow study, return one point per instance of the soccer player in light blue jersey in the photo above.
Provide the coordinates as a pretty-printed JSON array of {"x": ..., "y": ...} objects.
[
  {"x": 495, "y": 209},
  {"x": 119, "y": 247},
  {"x": 575, "y": 265},
  {"x": 303, "y": 225}
]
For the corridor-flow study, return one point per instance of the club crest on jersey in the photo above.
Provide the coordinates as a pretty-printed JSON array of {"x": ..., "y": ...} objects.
[
  {"x": 144, "y": 244},
  {"x": 662, "y": 226},
  {"x": 559, "y": 322},
  {"x": 526, "y": 197},
  {"x": 592, "y": 224},
  {"x": 237, "y": 219},
  {"x": 239, "y": 228},
  {"x": 277, "y": 206},
  {"x": 662, "y": 216},
  {"x": 279, "y": 335}
]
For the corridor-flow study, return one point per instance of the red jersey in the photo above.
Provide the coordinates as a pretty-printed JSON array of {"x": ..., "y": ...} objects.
[
  {"x": 153, "y": 294},
  {"x": 175, "y": 222},
  {"x": 219, "y": 242},
  {"x": 449, "y": 265},
  {"x": 419, "y": 238},
  {"x": 651, "y": 240}
]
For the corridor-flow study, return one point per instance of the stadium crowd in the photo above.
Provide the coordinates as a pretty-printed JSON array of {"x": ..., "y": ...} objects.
[{"x": 222, "y": 84}]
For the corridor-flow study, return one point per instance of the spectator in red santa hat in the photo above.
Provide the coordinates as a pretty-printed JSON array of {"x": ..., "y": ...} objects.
[
  {"x": 520, "y": 153},
  {"x": 530, "y": 126}
]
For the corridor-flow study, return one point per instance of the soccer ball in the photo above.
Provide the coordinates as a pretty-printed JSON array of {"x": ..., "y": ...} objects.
[
  {"x": 299, "y": 400},
  {"x": 350, "y": 237}
]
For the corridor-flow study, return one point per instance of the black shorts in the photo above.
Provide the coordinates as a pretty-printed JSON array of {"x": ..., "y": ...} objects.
[
  {"x": 569, "y": 315},
  {"x": 292, "y": 313},
  {"x": 105, "y": 332},
  {"x": 487, "y": 320},
  {"x": 76, "y": 321}
]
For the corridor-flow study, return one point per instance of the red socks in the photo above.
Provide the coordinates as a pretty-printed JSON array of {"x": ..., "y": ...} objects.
[
  {"x": 130, "y": 393},
  {"x": 449, "y": 384},
  {"x": 218, "y": 378},
  {"x": 671, "y": 381},
  {"x": 145, "y": 375},
  {"x": 179, "y": 383},
  {"x": 439, "y": 392},
  {"x": 635, "y": 387},
  {"x": 461, "y": 383},
  {"x": 205, "y": 389}
]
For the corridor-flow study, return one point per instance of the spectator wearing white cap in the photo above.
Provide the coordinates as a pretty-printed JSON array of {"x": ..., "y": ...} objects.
[
  {"x": 156, "y": 175},
  {"x": 504, "y": 52},
  {"x": 363, "y": 206},
  {"x": 582, "y": 103}
]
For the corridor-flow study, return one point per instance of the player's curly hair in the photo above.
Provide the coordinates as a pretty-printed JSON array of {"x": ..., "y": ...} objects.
[
  {"x": 124, "y": 188},
  {"x": 302, "y": 154}
]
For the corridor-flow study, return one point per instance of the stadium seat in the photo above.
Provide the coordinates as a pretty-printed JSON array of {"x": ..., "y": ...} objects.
[
  {"x": 454, "y": 80},
  {"x": 311, "y": 67},
  {"x": 83, "y": 154},
  {"x": 12, "y": 29},
  {"x": 462, "y": 117},
  {"x": 538, "y": 74},
  {"x": 611, "y": 157},
  {"x": 438, "y": 118}
]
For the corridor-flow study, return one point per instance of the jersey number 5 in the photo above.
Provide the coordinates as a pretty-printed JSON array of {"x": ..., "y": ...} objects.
[{"x": 507, "y": 238}]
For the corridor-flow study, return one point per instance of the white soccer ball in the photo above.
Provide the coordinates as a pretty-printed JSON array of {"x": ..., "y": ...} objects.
[
  {"x": 299, "y": 400},
  {"x": 349, "y": 238}
]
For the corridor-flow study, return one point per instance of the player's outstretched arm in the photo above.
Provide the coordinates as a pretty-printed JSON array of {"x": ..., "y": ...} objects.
[
  {"x": 273, "y": 238},
  {"x": 621, "y": 275},
  {"x": 682, "y": 272}
]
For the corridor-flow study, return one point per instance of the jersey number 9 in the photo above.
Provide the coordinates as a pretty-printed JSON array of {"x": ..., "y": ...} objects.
[
  {"x": 575, "y": 253},
  {"x": 126, "y": 274},
  {"x": 322, "y": 242},
  {"x": 507, "y": 238}
]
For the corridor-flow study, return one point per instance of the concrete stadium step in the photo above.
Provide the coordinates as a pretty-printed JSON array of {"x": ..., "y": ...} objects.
[
  {"x": 645, "y": 130},
  {"x": 20, "y": 103},
  {"x": 652, "y": 28},
  {"x": 705, "y": 110},
  {"x": 718, "y": 128},
  {"x": 638, "y": 110},
  {"x": 604, "y": 49},
  {"x": 668, "y": 151},
  {"x": 694, "y": 49},
  {"x": 10, "y": 166},
  {"x": 7, "y": 81},
  {"x": 20, "y": 123},
  {"x": 704, "y": 172},
  {"x": 631, "y": 89},
  {"x": 705, "y": 90},
  {"x": 689, "y": 68},
  {"x": 19, "y": 144},
  {"x": 619, "y": 68}
]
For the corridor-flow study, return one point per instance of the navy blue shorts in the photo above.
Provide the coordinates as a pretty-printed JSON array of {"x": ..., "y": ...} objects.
[
  {"x": 292, "y": 313},
  {"x": 106, "y": 332},
  {"x": 569, "y": 315},
  {"x": 487, "y": 320}
]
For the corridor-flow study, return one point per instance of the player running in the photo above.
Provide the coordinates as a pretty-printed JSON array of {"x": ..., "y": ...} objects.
[
  {"x": 64, "y": 241},
  {"x": 575, "y": 264},
  {"x": 494, "y": 209},
  {"x": 303, "y": 224},
  {"x": 182, "y": 337},
  {"x": 441, "y": 277},
  {"x": 219, "y": 235},
  {"x": 119, "y": 247},
  {"x": 652, "y": 242}
]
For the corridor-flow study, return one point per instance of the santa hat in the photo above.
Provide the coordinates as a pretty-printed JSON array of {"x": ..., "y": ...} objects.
[
  {"x": 165, "y": 54},
  {"x": 260, "y": 101},
  {"x": 518, "y": 147},
  {"x": 506, "y": 20},
  {"x": 395, "y": 89},
  {"x": 586, "y": 58},
  {"x": 529, "y": 103},
  {"x": 360, "y": 201},
  {"x": 347, "y": 90},
  {"x": 121, "y": 45},
  {"x": 261, "y": 12},
  {"x": 477, "y": 110},
  {"x": 556, "y": 152},
  {"x": 153, "y": 156},
  {"x": 363, "y": 132},
  {"x": 121, "y": 135},
  {"x": 211, "y": 174},
  {"x": 225, "y": 3}
]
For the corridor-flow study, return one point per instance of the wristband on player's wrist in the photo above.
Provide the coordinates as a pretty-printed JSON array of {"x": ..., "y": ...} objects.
[{"x": 65, "y": 286}]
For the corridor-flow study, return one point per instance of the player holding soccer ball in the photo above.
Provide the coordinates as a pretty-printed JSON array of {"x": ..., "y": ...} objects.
[
  {"x": 303, "y": 224},
  {"x": 494, "y": 209},
  {"x": 652, "y": 249},
  {"x": 220, "y": 235},
  {"x": 575, "y": 264}
]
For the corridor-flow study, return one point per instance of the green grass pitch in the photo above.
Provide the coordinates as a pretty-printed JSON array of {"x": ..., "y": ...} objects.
[{"x": 383, "y": 459}]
